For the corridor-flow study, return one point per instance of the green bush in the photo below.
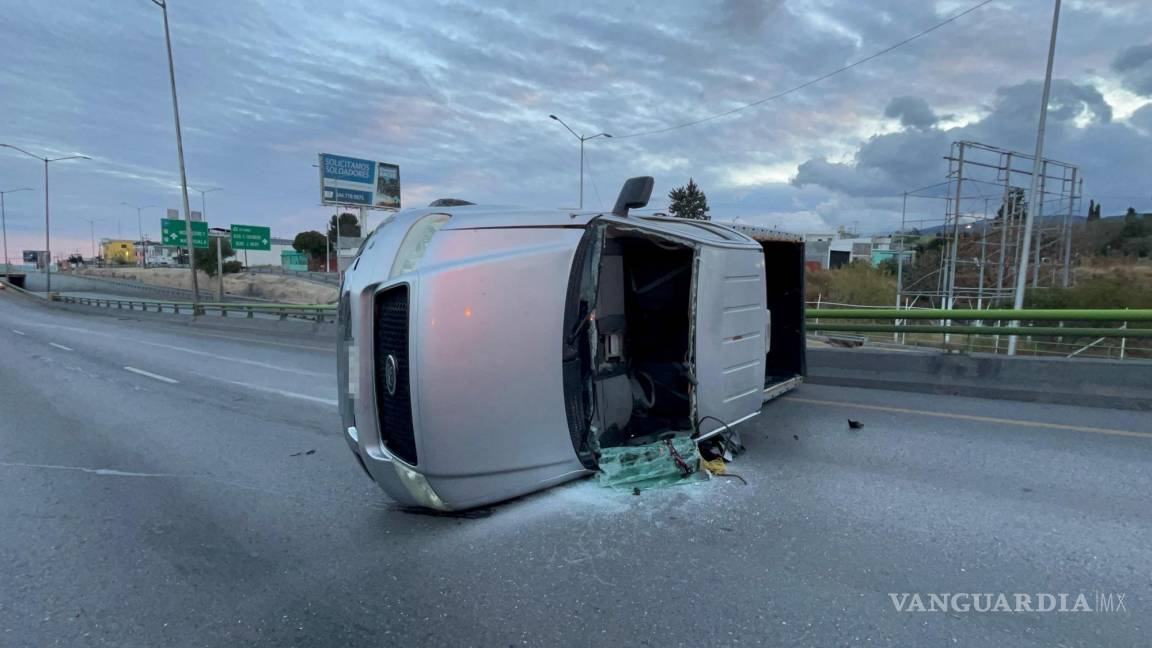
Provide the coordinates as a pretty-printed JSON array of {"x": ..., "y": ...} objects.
[
  {"x": 1119, "y": 290},
  {"x": 232, "y": 267},
  {"x": 855, "y": 283}
]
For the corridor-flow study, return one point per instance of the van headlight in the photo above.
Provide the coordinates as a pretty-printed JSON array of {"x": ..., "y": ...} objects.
[
  {"x": 419, "y": 487},
  {"x": 347, "y": 362},
  {"x": 415, "y": 243}
]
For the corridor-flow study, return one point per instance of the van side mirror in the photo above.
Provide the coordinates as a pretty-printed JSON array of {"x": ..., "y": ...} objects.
[{"x": 635, "y": 193}]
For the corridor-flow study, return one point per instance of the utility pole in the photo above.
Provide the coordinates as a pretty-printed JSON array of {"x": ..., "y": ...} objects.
[
  {"x": 47, "y": 220},
  {"x": 196, "y": 310},
  {"x": 1066, "y": 274},
  {"x": 4, "y": 222},
  {"x": 900, "y": 252},
  {"x": 1037, "y": 170},
  {"x": 1005, "y": 219},
  {"x": 582, "y": 139},
  {"x": 953, "y": 254},
  {"x": 220, "y": 269},
  {"x": 1038, "y": 215}
]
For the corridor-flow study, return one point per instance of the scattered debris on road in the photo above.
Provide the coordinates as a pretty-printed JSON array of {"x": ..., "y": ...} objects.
[{"x": 652, "y": 465}]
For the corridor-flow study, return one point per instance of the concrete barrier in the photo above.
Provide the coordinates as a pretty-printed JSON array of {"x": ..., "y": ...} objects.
[{"x": 1123, "y": 384}]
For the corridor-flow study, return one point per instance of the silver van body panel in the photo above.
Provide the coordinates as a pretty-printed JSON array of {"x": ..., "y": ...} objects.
[{"x": 485, "y": 331}]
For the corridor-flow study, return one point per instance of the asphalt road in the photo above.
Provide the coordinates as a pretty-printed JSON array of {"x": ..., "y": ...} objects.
[{"x": 211, "y": 502}]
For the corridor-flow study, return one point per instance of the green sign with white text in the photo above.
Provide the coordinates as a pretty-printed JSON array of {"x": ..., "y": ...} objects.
[
  {"x": 172, "y": 232},
  {"x": 251, "y": 237}
]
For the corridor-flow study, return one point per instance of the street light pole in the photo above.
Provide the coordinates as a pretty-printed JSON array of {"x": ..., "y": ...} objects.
[
  {"x": 1034, "y": 197},
  {"x": 196, "y": 310},
  {"x": 203, "y": 203},
  {"x": 582, "y": 139},
  {"x": 4, "y": 222},
  {"x": 47, "y": 220},
  {"x": 140, "y": 226},
  {"x": 92, "y": 233}
]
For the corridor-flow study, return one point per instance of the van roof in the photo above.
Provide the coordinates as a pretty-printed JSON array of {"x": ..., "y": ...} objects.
[{"x": 501, "y": 216}]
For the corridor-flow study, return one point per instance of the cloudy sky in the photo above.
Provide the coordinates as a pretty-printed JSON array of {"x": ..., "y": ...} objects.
[{"x": 459, "y": 93}]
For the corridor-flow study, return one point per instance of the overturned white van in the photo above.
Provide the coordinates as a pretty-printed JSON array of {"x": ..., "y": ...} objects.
[{"x": 490, "y": 352}]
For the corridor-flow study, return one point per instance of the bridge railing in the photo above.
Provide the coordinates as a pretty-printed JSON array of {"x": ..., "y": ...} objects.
[
  {"x": 1019, "y": 322},
  {"x": 1064, "y": 332}
]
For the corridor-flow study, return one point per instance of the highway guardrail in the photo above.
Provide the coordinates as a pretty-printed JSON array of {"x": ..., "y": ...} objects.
[
  {"x": 317, "y": 313},
  {"x": 1008, "y": 322}
]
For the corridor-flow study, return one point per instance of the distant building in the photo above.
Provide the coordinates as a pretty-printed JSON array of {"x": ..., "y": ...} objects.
[
  {"x": 118, "y": 252},
  {"x": 836, "y": 252},
  {"x": 293, "y": 260},
  {"x": 256, "y": 258}
]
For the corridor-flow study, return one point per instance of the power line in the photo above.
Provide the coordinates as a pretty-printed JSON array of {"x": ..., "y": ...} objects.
[
  {"x": 588, "y": 164},
  {"x": 811, "y": 81}
]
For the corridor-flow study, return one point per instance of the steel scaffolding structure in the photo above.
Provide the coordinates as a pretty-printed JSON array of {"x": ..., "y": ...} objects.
[{"x": 980, "y": 235}]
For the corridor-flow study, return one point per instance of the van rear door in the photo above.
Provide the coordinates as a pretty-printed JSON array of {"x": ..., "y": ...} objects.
[{"x": 731, "y": 322}]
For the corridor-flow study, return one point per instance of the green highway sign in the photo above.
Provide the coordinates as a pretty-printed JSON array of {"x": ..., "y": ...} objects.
[
  {"x": 172, "y": 231},
  {"x": 251, "y": 237}
]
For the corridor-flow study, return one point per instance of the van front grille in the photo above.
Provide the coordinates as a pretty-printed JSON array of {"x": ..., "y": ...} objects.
[{"x": 393, "y": 396}]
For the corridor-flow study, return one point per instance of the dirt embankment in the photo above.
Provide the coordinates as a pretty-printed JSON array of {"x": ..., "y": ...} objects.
[
  {"x": 1138, "y": 269},
  {"x": 280, "y": 288}
]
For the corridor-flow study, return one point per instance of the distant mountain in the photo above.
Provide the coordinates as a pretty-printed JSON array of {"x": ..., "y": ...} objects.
[{"x": 1076, "y": 220}]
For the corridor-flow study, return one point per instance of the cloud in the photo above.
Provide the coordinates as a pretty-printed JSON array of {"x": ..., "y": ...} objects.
[
  {"x": 458, "y": 94},
  {"x": 1134, "y": 65},
  {"x": 1080, "y": 132},
  {"x": 747, "y": 18},
  {"x": 913, "y": 112},
  {"x": 1142, "y": 119}
]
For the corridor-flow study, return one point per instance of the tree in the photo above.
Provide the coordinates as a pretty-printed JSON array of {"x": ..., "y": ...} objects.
[
  {"x": 349, "y": 227},
  {"x": 311, "y": 243},
  {"x": 1014, "y": 206},
  {"x": 1093, "y": 211},
  {"x": 688, "y": 202},
  {"x": 206, "y": 258}
]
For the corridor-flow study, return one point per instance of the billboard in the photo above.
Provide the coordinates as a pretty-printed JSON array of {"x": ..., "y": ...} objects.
[
  {"x": 174, "y": 214},
  {"x": 356, "y": 182}
]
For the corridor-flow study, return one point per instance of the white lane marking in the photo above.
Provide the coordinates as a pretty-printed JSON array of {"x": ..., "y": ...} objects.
[
  {"x": 278, "y": 392},
  {"x": 19, "y": 332},
  {"x": 149, "y": 374},
  {"x": 108, "y": 472},
  {"x": 254, "y": 363},
  {"x": 327, "y": 349},
  {"x": 93, "y": 471},
  {"x": 60, "y": 346}
]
